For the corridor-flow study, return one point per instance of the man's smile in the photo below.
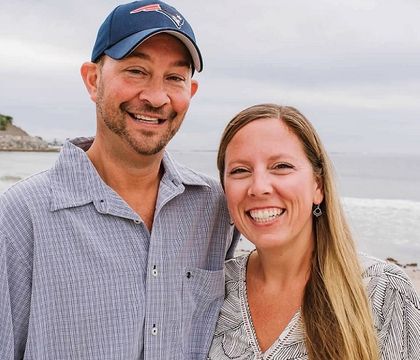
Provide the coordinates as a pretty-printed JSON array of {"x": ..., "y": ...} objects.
[{"x": 146, "y": 119}]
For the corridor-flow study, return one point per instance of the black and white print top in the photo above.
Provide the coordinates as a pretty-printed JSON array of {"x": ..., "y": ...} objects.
[{"x": 395, "y": 307}]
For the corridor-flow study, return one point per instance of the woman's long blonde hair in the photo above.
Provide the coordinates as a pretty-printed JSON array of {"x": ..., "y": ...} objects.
[{"x": 335, "y": 309}]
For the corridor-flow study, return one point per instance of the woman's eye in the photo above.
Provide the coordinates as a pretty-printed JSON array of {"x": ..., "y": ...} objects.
[
  {"x": 238, "y": 171},
  {"x": 281, "y": 166}
]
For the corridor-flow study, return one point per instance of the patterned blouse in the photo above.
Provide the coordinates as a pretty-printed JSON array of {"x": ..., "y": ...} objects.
[{"x": 395, "y": 306}]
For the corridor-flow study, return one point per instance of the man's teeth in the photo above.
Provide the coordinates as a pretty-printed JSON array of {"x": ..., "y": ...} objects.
[
  {"x": 266, "y": 215},
  {"x": 147, "y": 119}
]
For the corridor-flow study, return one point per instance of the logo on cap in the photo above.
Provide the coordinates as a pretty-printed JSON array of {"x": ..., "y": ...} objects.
[{"x": 176, "y": 18}]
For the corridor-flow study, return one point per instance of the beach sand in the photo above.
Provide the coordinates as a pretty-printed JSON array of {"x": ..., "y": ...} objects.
[{"x": 414, "y": 275}]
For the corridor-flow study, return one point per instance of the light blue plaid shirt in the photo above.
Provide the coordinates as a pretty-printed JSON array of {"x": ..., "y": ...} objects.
[{"x": 81, "y": 277}]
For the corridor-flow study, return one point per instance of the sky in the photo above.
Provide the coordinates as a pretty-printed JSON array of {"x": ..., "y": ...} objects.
[{"x": 351, "y": 66}]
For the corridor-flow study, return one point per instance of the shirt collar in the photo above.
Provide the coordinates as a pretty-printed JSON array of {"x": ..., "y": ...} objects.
[
  {"x": 75, "y": 181},
  {"x": 180, "y": 174}
]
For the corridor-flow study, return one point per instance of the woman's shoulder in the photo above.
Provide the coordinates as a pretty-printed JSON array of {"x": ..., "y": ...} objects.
[
  {"x": 395, "y": 308},
  {"x": 382, "y": 278},
  {"x": 235, "y": 268}
]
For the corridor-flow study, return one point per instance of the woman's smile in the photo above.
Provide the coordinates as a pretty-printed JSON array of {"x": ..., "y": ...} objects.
[{"x": 265, "y": 215}]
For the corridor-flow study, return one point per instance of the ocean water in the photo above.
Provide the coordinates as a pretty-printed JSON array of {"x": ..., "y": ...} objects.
[{"x": 380, "y": 195}]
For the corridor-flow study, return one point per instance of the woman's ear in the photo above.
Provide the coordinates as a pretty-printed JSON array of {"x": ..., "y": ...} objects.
[
  {"x": 90, "y": 75},
  {"x": 318, "y": 190}
]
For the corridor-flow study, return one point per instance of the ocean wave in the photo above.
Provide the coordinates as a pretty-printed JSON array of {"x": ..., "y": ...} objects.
[
  {"x": 385, "y": 227},
  {"x": 381, "y": 203}
]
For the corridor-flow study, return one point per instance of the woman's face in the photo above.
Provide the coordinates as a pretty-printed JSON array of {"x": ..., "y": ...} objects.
[{"x": 270, "y": 185}]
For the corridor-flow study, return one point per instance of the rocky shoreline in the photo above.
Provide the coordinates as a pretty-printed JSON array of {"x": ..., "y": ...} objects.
[
  {"x": 13, "y": 138},
  {"x": 24, "y": 143}
]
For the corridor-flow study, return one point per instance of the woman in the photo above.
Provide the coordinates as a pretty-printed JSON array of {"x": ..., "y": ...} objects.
[{"x": 304, "y": 293}]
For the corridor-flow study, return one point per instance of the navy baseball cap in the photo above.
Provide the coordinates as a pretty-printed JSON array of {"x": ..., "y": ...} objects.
[{"x": 128, "y": 25}]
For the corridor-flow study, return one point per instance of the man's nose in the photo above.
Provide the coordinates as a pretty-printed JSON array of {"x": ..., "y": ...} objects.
[{"x": 154, "y": 94}]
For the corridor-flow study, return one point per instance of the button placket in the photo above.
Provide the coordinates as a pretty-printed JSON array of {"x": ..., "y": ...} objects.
[
  {"x": 154, "y": 271},
  {"x": 154, "y": 330}
]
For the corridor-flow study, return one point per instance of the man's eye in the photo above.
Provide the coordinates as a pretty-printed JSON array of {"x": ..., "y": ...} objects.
[
  {"x": 176, "y": 78},
  {"x": 136, "y": 71}
]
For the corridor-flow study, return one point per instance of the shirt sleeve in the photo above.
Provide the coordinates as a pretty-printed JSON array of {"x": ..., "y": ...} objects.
[
  {"x": 396, "y": 312},
  {"x": 15, "y": 285},
  {"x": 232, "y": 247},
  {"x": 6, "y": 327}
]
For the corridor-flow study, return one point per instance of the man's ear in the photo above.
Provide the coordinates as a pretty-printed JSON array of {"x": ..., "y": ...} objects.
[
  {"x": 194, "y": 87},
  {"x": 90, "y": 75}
]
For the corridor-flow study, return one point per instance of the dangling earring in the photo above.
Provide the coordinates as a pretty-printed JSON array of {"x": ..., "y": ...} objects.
[{"x": 317, "y": 211}]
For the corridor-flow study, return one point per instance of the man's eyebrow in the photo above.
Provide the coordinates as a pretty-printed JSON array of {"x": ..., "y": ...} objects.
[
  {"x": 143, "y": 56},
  {"x": 183, "y": 63},
  {"x": 140, "y": 55}
]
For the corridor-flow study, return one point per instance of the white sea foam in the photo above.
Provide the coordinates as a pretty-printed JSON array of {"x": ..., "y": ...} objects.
[{"x": 386, "y": 227}]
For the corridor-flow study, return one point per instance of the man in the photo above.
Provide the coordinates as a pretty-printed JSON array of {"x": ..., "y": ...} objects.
[{"x": 117, "y": 252}]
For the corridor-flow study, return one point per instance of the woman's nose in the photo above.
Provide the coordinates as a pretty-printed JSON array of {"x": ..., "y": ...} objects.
[{"x": 260, "y": 185}]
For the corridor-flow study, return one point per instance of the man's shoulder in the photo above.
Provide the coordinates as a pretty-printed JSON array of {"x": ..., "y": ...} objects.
[
  {"x": 192, "y": 177},
  {"x": 34, "y": 186},
  {"x": 208, "y": 179},
  {"x": 21, "y": 201},
  {"x": 38, "y": 185}
]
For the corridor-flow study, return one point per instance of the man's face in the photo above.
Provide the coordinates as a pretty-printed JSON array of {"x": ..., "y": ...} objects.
[{"x": 144, "y": 97}]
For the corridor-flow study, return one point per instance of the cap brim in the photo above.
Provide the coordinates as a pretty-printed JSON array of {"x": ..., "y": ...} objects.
[{"x": 130, "y": 43}]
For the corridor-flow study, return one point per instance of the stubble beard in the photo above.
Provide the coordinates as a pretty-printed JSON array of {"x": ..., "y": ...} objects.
[{"x": 116, "y": 122}]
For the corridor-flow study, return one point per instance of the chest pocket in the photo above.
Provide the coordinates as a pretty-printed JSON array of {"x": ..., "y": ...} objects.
[{"x": 202, "y": 296}]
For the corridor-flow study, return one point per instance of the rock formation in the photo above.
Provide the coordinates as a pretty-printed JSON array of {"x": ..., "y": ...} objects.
[{"x": 13, "y": 138}]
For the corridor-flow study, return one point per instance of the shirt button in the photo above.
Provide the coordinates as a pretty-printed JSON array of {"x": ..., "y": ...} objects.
[
  {"x": 154, "y": 271},
  {"x": 137, "y": 221},
  {"x": 154, "y": 330}
]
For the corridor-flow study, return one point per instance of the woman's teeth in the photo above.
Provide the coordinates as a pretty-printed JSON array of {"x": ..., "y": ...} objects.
[{"x": 266, "y": 215}]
